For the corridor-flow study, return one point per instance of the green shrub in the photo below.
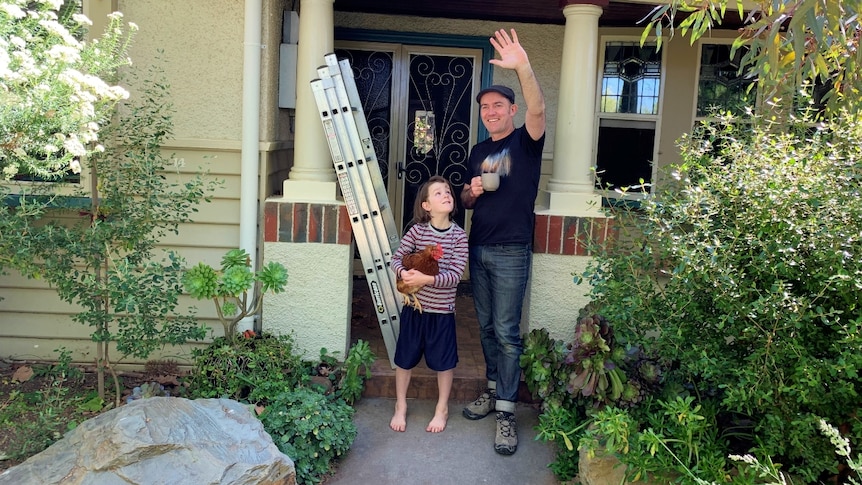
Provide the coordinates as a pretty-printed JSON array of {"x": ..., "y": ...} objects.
[
  {"x": 348, "y": 377},
  {"x": 310, "y": 428},
  {"x": 250, "y": 370},
  {"x": 745, "y": 272}
]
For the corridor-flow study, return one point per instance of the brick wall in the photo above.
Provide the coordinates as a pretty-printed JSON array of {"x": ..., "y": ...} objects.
[
  {"x": 300, "y": 222},
  {"x": 570, "y": 235}
]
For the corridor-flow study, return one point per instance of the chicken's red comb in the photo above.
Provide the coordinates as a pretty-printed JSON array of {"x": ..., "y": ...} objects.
[{"x": 437, "y": 252}]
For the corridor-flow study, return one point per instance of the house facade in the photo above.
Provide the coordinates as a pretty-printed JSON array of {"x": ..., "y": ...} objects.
[{"x": 239, "y": 76}]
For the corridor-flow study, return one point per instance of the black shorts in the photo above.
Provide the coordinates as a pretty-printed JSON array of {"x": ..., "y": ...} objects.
[{"x": 431, "y": 334}]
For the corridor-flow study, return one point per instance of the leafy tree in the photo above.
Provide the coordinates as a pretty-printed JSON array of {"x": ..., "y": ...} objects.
[
  {"x": 100, "y": 256},
  {"x": 792, "y": 42}
]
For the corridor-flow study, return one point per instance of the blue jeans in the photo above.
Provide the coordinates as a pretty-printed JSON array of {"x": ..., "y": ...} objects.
[{"x": 499, "y": 274}]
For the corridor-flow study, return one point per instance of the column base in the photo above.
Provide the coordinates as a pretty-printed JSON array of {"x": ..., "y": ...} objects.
[
  {"x": 309, "y": 191},
  {"x": 579, "y": 204}
]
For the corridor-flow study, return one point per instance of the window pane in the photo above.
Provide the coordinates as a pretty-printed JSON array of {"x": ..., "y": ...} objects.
[
  {"x": 631, "y": 79},
  {"x": 625, "y": 151},
  {"x": 721, "y": 83}
]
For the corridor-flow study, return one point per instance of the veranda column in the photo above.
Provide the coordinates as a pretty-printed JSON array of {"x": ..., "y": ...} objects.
[
  {"x": 571, "y": 184},
  {"x": 571, "y": 221},
  {"x": 312, "y": 176},
  {"x": 308, "y": 229}
]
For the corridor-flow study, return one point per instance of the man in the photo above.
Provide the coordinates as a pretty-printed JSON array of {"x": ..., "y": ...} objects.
[{"x": 501, "y": 233}]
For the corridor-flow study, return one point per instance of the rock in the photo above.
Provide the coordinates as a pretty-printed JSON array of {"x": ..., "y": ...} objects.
[
  {"x": 605, "y": 469},
  {"x": 601, "y": 469},
  {"x": 162, "y": 440}
]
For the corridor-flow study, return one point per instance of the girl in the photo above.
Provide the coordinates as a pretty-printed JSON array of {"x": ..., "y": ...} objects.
[{"x": 430, "y": 331}]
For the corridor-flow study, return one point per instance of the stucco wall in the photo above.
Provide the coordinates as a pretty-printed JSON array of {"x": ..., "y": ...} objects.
[
  {"x": 203, "y": 50},
  {"x": 554, "y": 298},
  {"x": 315, "y": 306}
]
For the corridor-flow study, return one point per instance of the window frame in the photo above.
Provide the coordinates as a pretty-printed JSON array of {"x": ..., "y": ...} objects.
[
  {"x": 700, "y": 43},
  {"x": 634, "y": 119}
]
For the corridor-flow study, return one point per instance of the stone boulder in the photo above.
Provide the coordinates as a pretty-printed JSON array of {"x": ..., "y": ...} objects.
[
  {"x": 605, "y": 469},
  {"x": 162, "y": 440}
]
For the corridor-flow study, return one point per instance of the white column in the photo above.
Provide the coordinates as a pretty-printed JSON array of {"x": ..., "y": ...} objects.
[
  {"x": 312, "y": 176},
  {"x": 570, "y": 188}
]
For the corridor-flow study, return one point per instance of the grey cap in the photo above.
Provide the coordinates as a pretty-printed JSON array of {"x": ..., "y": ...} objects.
[{"x": 496, "y": 88}]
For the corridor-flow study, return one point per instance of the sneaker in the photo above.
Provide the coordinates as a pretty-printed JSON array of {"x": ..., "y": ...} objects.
[
  {"x": 506, "y": 441},
  {"x": 482, "y": 406}
]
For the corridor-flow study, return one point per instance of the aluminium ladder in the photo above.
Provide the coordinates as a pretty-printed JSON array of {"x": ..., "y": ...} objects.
[{"x": 358, "y": 173}]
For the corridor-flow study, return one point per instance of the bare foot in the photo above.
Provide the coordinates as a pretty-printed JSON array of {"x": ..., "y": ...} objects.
[
  {"x": 438, "y": 423},
  {"x": 399, "y": 419}
]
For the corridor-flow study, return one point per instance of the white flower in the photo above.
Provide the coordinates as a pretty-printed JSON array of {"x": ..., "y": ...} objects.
[
  {"x": 81, "y": 19},
  {"x": 10, "y": 170},
  {"x": 75, "y": 166},
  {"x": 17, "y": 41},
  {"x": 133, "y": 26},
  {"x": 64, "y": 53},
  {"x": 117, "y": 92},
  {"x": 4, "y": 63},
  {"x": 51, "y": 149},
  {"x": 74, "y": 146},
  {"x": 13, "y": 11},
  {"x": 57, "y": 29}
]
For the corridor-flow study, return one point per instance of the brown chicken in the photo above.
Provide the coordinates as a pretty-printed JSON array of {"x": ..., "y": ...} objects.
[{"x": 424, "y": 261}]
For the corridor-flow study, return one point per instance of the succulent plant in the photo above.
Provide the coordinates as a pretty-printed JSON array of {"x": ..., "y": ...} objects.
[
  {"x": 201, "y": 281},
  {"x": 230, "y": 286}
]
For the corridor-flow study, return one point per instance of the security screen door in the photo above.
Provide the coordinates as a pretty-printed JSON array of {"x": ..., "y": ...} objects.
[{"x": 418, "y": 102}]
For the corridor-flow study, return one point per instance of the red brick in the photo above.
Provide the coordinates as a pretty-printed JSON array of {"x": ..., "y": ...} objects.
[
  {"x": 555, "y": 235},
  {"x": 329, "y": 228},
  {"x": 345, "y": 230},
  {"x": 540, "y": 235},
  {"x": 285, "y": 227},
  {"x": 300, "y": 222},
  {"x": 570, "y": 235},
  {"x": 315, "y": 223},
  {"x": 270, "y": 222}
]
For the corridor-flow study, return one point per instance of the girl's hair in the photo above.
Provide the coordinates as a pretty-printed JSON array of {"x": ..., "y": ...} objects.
[{"x": 420, "y": 215}]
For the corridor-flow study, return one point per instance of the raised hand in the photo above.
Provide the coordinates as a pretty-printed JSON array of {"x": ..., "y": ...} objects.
[{"x": 512, "y": 55}]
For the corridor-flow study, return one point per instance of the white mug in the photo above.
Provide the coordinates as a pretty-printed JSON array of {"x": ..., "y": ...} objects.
[{"x": 490, "y": 181}]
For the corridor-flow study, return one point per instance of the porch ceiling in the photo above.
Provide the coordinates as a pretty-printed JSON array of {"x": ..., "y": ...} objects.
[{"x": 616, "y": 14}]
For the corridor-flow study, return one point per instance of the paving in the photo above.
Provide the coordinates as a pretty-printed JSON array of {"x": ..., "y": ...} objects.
[{"x": 462, "y": 454}]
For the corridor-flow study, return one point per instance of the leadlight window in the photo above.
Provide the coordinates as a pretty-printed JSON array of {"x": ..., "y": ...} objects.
[
  {"x": 629, "y": 107},
  {"x": 631, "y": 80},
  {"x": 723, "y": 82}
]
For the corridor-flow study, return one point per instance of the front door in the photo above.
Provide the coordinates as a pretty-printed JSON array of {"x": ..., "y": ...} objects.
[{"x": 418, "y": 102}]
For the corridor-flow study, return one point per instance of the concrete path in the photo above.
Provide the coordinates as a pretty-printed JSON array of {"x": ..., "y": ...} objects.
[{"x": 463, "y": 454}]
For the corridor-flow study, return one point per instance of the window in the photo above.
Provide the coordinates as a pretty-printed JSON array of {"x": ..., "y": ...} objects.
[
  {"x": 629, "y": 107},
  {"x": 721, "y": 84}
]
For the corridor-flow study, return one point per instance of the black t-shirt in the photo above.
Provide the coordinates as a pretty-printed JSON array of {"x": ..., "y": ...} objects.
[{"x": 506, "y": 216}]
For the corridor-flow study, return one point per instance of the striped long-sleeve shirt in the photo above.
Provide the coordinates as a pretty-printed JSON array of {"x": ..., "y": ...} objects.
[{"x": 438, "y": 297}]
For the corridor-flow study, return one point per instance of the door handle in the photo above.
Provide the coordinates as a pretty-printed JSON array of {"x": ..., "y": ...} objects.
[{"x": 399, "y": 168}]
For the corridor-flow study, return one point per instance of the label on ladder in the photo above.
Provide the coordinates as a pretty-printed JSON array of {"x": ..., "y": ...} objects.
[{"x": 361, "y": 183}]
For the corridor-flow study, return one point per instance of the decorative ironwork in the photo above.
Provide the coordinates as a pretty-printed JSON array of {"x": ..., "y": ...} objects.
[
  {"x": 442, "y": 85},
  {"x": 373, "y": 73}
]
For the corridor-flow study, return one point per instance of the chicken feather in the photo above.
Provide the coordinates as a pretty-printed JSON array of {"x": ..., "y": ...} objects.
[{"x": 425, "y": 261}]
